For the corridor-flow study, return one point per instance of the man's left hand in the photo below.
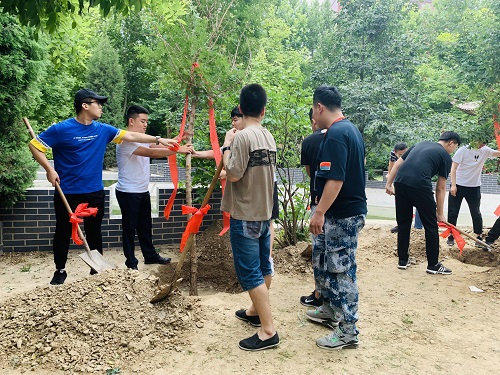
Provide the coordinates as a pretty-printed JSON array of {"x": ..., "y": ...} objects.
[{"x": 316, "y": 223}]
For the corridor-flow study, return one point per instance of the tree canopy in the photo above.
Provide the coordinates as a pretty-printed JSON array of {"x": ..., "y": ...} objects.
[{"x": 403, "y": 71}]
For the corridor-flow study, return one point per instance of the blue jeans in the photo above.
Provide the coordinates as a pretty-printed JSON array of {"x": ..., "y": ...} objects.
[
  {"x": 418, "y": 223},
  {"x": 250, "y": 242}
]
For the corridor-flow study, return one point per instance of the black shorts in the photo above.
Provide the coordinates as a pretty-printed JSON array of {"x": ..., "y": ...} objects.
[{"x": 276, "y": 208}]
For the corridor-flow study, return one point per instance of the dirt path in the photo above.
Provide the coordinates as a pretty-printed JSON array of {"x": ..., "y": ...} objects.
[{"x": 410, "y": 322}]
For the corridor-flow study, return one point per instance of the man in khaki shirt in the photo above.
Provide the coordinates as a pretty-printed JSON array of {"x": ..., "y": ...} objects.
[{"x": 249, "y": 157}]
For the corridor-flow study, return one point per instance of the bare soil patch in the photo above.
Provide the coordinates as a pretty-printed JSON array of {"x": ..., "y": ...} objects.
[{"x": 410, "y": 322}]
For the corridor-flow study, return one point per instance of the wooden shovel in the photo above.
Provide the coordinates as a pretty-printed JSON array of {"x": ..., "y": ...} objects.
[
  {"x": 175, "y": 281},
  {"x": 93, "y": 258},
  {"x": 484, "y": 244}
]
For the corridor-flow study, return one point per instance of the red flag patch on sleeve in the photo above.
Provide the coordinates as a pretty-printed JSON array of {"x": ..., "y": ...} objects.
[{"x": 325, "y": 166}]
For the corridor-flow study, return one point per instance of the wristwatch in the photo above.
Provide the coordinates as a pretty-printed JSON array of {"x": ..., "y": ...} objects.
[
  {"x": 157, "y": 139},
  {"x": 226, "y": 148}
]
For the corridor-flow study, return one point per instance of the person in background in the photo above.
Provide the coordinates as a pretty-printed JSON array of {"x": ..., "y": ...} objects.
[
  {"x": 78, "y": 145},
  {"x": 399, "y": 149},
  {"x": 132, "y": 189},
  {"x": 465, "y": 177},
  {"x": 308, "y": 158}
]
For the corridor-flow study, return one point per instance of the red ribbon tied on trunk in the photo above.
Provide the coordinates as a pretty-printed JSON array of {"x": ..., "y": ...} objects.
[
  {"x": 193, "y": 224},
  {"x": 82, "y": 210},
  {"x": 455, "y": 233}
]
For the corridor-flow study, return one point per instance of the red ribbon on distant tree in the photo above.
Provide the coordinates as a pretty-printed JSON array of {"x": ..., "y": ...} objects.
[
  {"x": 82, "y": 210},
  {"x": 455, "y": 233},
  {"x": 193, "y": 224}
]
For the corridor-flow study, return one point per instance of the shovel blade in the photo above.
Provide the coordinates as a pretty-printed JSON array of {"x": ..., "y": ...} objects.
[
  {"x": 165, "y": 292},
  {"x": 96, "y": 261}
]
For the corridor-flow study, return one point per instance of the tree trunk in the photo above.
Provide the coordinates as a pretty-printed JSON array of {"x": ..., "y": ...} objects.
[{"x": 193, "y": 285}]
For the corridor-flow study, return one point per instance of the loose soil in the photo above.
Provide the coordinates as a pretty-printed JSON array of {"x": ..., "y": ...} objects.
[{"x": 410, "y": 322}]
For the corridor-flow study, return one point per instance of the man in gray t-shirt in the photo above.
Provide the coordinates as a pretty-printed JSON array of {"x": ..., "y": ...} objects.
[{"x": 249, "y": 157}]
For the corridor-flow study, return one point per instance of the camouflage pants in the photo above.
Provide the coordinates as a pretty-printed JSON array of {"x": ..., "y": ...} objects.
[{"x": 334, "y": 264}]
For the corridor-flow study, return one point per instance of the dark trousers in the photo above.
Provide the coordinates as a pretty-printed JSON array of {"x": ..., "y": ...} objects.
[
  {"x": 408, "y": 197},
  {"x": 494, "y": 232},
  {"x": 91, "y": 224},
  {"x": 472, "y": 196},
  {"x": 136, "y": 216}
]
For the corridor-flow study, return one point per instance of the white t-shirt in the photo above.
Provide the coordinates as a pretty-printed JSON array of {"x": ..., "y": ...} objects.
[
  {"x": 133, "y": 170},
  {"x": 470, "y": 164}
]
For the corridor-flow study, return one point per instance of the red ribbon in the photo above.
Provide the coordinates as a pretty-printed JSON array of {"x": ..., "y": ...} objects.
[
  {"x": 82, "y": 210},
  {"x": 172, "y": 164},
  {"x": 193, "y": 224},
  {"x": 455, "y": 233},
  {"x": 214, "y": 141}
]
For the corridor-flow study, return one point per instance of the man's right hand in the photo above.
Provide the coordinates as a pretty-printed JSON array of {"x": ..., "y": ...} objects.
[
  {"x": 453, "y": 190},
  {"x": 230, "y": 136},
  {"x": 52, "y": 177}
]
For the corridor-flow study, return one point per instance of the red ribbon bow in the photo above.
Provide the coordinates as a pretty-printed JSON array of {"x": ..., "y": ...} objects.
[
  {"x": 82, "y": 210},
  {"x": 455, "y": 233},
  {"x": 193, "y": 224}
]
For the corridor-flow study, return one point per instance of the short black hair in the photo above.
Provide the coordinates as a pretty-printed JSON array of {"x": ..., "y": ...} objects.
[
  {"x": 253, "y": 100},
  {"x": 329, "y": 96},
  {"x": 311, "y": 115},
  {"x": 400, "y": 146},
  {"x": 133, "y": 111},
  {"x": 236, "y": 112},
  {"x": 450, "y": 136}
]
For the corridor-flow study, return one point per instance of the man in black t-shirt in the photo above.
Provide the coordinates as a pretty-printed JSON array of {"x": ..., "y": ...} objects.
[
  {"x": 412, "y": 176},
  {"x": 339, "y": 216},
  {"x": 308, "y": 158}
]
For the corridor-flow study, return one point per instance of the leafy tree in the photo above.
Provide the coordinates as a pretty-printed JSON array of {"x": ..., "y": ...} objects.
[
  {"x": 21, "y": 65},
  {"x": 105, "y": 76},
  {"x": 50, "y": 14}
]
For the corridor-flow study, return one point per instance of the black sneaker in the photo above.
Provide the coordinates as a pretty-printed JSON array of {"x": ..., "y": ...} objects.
[
  {"x": 438, "y": 269},
  {"x": 59, "y": 277},
  {"x": 450, "y": 241},
  {"x": 311, "y": 300},
  {"x": 404, "y": 264},
  {"x": 158, "y": 260},
  {"x": 93, "y": 271},
  {"x": 487, "y": 248},
  {"x": 394, "y": 229},
  {"x": 253, "y": 320},
  {"x": 254, "y": 344}
]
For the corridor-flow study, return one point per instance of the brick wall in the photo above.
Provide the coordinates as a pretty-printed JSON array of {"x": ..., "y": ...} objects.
[{"x": 29, "y": 225}]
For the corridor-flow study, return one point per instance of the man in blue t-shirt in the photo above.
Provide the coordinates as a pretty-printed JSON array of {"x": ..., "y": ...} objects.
[
  {"x": 78, "y": 145},
  {"x": 339, "y": 216}
]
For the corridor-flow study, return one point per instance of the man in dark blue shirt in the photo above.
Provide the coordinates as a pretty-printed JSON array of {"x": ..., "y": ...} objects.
[{"x": 339, "y": 216}]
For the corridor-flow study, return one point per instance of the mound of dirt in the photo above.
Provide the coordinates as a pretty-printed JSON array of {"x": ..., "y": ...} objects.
[
  {"x": 94, "y": 324},
  {"x": 215, "y": 262}
]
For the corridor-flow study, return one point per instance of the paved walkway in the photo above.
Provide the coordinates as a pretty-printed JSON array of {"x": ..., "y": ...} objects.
[{"x": 381, "y": 206}]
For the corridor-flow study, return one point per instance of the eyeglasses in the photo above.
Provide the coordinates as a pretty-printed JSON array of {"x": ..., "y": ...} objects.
[{"x": 94, "y": 101}]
